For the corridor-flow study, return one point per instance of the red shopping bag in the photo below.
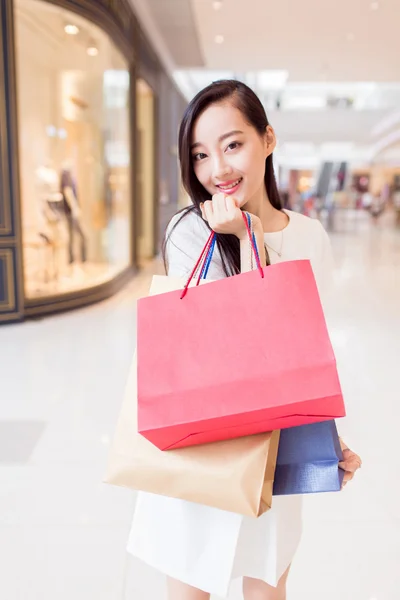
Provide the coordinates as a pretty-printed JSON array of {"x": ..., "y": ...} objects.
[{"x": 235, "y": 357}]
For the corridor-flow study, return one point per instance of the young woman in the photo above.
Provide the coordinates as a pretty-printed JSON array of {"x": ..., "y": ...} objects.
[{"x": 225, "y": 148}]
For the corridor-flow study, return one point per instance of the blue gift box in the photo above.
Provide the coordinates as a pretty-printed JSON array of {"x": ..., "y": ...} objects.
[{"x": 307, "y": 461}]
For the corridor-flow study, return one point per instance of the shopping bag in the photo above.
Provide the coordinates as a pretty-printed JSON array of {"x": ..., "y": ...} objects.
[
  {"x": 239, "y": 356},
  {"x": 235, "y": 475},
  {"x": 308, "y": 460}
]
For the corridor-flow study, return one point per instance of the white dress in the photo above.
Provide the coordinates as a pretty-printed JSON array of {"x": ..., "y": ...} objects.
[{"x": 202, "y": 546}]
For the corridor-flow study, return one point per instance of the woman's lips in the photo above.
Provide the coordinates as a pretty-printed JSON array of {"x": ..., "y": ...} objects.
[{"x": 232, "y": 190}]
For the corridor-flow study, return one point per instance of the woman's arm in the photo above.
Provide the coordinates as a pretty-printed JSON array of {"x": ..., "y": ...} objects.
[{"x": 224, "y": 216}]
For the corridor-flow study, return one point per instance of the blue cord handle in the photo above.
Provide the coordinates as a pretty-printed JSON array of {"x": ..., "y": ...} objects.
[
  {"x": 207, "y": 262},
  {"x": 254, "y": 236}
]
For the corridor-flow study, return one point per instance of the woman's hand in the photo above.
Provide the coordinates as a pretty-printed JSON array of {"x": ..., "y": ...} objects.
[
  {"x": 350, "y": 464},
  {"x": 224, "y": 216}
]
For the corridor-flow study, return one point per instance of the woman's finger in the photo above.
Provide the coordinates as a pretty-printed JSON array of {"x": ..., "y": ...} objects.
[
  {"x": 348, "y": 476},
  {"x": 208, "y": 210},
  {"x": 351, "y": 465},
  {"x": 219, "y": 207},
  {"x": 231, "y": 206},
  {"x": 216, "y": 209},
  {"x": 351, "y": 461}
]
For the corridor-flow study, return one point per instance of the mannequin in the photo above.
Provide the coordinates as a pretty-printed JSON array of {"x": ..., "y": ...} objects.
[
  {"x": 48, "y": 191},
  {"x": 50, "y": 212},
  {"x": 72, "y": 211}
]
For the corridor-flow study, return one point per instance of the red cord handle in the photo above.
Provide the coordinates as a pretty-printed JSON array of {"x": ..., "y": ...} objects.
[
  {"x": 198, "y": 264},
  {"x": 204, "y": 253}
]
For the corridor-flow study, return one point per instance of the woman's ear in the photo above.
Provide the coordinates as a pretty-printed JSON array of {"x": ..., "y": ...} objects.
[{"x": 270, "y": 140}]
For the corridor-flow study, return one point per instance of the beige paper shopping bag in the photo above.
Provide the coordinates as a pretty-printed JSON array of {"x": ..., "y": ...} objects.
[{"x": 235, "y": 475}]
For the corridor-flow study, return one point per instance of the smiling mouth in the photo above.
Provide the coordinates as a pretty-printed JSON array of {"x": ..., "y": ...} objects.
[{"x": 224, "y": 188}]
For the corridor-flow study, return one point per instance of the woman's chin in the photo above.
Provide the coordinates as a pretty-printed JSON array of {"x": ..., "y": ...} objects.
[{"x": 241, "y": 202}]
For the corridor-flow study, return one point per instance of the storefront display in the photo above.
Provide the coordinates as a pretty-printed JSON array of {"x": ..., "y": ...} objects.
[
  {"x": 75, "y": 156},
  {"x": 88, "y": 121},
  {"x": 361, "y": 182}
]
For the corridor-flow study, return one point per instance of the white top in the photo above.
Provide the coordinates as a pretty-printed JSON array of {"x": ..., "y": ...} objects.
[
  {"x": 204, "y": 546},
  {"x": 302, "y": 238},
  {"x": 48, "y": 184}
]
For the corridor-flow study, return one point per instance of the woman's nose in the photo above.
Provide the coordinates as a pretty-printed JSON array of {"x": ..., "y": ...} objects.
[{"x": 220, "y": 168}]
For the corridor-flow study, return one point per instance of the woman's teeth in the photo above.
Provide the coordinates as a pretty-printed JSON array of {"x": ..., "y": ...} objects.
[{"x": 229, "y": 187}]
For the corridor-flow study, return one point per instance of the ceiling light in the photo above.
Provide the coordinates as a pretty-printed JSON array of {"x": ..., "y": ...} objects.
[
  {"x": 217, "y": 4},
  {"x": 293, "y": 102},
  {"x": 374, "y": 5},
  {"x": 351, "y": 37},
  {"x": 71, "y": 29},
  {"x": 271, "y": 79},
  {"x": 298, "y": 148},
  {"x": 92, "y": 51},
  {"x": 335, "y": 151},
  {"x": 219, "y": 39}
]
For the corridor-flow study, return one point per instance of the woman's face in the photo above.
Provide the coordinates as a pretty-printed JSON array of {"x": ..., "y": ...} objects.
[{"x": 228, "y": 154}]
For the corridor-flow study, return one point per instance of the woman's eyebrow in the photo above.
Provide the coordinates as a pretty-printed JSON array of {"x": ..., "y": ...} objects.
[{"x": 220, "y": 139}]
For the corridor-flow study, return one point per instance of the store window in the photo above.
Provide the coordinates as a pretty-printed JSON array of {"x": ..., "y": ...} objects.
[{"x": 73, "y": 96}]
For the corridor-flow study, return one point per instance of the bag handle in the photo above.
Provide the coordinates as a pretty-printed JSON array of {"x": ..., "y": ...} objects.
[{"x": 207, "y": 253}]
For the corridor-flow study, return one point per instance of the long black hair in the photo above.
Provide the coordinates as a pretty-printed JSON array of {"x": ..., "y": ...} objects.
[{"x": 244, "y": 99}]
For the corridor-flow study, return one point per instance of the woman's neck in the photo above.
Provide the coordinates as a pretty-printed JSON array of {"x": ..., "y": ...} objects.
[{"x": 271, "y": 218}]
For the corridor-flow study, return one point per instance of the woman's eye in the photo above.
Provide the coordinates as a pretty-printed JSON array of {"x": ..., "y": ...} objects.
[
  {"x": 199, "y": 156},
  {"x": 233, "y": 146}
]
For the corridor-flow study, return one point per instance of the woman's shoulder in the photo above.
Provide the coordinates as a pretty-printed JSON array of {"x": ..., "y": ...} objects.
[
  {"x": 187, "y": 226},
  {"x": 186, "y": 236},
  {"x": 187, "y": 218},
  {"x": 303, "y": 223},
  {"x": 308, "y": 229}
]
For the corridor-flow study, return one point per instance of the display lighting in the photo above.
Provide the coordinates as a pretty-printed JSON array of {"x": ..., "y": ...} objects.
[
  {"x": 217, "y": 4},
  {"x": 219, "y": 39},
  {"x": 92, "y": 51},
  {"x": 71, "y": 29},
  {"x": 51, "y": 131},
  {"x": 374, "y": 5}
]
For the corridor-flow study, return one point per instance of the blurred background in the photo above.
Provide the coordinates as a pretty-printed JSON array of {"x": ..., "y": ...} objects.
[{"x": 91, "y": 97}]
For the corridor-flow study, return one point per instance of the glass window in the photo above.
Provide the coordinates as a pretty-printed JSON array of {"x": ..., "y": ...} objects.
[{"x": 75, "y": 156}]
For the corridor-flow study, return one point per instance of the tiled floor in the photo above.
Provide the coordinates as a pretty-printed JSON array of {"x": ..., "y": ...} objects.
[{"x": 63, "y": 532}]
